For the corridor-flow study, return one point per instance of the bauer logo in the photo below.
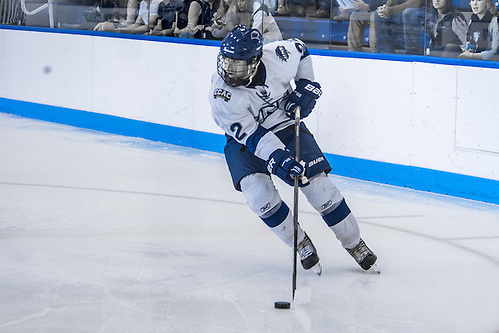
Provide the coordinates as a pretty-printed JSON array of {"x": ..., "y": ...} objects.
[
  {"x": 314, "y": 162},
  {"x": 221, "y": 93}
]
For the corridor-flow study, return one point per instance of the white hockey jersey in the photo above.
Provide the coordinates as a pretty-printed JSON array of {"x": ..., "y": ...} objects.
[{"x": 251, "y": 115}]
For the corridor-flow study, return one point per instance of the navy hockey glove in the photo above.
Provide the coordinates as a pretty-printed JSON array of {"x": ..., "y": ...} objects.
[
  {"x": 284, "y": 166},
  {"x": 304, "y": 95}
]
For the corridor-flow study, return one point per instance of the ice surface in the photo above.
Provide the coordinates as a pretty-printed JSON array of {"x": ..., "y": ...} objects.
[{"x": 103, "y": 233}]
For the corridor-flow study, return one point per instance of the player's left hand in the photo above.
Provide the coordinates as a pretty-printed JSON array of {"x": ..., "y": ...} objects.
[{"x": 305, "y": 96}]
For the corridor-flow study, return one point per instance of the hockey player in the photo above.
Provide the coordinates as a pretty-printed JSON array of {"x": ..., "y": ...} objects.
[{"x": 252, "y": 100}]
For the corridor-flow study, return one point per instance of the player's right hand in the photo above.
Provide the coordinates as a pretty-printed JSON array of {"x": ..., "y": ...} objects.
[{"x": 284, "y": 166}]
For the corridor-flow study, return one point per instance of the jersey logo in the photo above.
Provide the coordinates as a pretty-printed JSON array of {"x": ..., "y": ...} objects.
[
  {"x": 223, "y": 94},
  {"x": 282, "y": 53},
  {"x": 269, "y": 106},
  {"x": 476, "y": 36}
]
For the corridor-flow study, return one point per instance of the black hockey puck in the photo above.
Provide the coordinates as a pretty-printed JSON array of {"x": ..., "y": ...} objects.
[{"x": 282, "y": 305}]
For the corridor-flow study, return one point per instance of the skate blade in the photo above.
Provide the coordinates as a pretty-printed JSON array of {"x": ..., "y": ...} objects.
[
  {"x": 374, "y": 268},
  {"x": 317, "y": 269}
]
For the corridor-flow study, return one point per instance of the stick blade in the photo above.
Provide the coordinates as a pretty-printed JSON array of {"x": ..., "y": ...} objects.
[{"x": 282, "y": 305}]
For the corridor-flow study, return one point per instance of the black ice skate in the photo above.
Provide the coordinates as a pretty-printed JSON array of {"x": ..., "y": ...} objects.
[
  {"x": 364, "y": 256},
  {"x": 308, "y": 254}
]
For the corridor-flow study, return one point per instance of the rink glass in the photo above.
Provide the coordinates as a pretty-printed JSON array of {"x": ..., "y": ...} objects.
[{"x": 409, "y": 34}]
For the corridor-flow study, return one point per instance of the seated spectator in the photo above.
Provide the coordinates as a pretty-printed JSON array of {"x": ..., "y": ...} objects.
[
  {"x": 321, "y": 8},
  {"x": 324, "y": 9},
  {"x": 167, "y": 13},
  {"x": 389, "y": 26},
  {"x": 222, "y": 22},
  {"x": 262, "y": 20},
  {"x": 448, "y": 33},
  {"x": 361, "y": 17},
  {"x": 415, "y": 19},
  {"x": 200, "y": 15},
  {"x": 250, "y": 13},
  {"x": 483, "y": 31},
  {"x": 302, "y": 12},
  {"x": 132, "y": 10},
  {"x": 283, "y": 8},
  {"x": 93, "y": 16},
  {"x": 146, "y": 20}
]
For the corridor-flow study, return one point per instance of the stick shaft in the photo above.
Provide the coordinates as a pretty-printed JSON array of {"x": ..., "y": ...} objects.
[{"x": 295, "y": 203}]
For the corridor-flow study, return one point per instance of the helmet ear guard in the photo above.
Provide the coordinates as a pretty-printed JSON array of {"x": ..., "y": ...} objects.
[{"x": 239, "y": 57}]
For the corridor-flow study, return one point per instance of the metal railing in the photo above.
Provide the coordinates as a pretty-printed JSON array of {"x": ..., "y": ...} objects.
[{"x": 39, "y": 9}]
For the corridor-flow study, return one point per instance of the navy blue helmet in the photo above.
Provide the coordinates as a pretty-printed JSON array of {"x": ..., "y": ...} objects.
[{"x": 239, "y": 56}]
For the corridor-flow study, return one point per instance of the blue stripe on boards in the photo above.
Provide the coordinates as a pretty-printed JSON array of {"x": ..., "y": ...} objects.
[
  {"x": 116, "y": 125},
  {"x": 441, "y": 182},
  {"x": 435, "y": 181}
]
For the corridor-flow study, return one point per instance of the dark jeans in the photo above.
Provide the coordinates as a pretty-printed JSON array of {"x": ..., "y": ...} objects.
[
  {"x": 413, "y": 20},
  {"x": 389, "y": 33}
]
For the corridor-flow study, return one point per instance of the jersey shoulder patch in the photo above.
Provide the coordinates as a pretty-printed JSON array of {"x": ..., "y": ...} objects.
[
  {"x": 282, "y": 53},
  {"x": 300, "y": 47},
  {"x": 222, "y": 93}
]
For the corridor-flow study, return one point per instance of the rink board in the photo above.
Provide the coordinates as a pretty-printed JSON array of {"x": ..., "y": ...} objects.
[{"x": 403, "y": 120}]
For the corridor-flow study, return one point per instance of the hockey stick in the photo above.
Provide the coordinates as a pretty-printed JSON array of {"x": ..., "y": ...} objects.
[{"x": 295, "y": 204}]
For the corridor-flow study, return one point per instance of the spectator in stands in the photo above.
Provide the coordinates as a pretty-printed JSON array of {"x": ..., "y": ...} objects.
[
  {"x": 321, "y": 8},
  {"x": 361, "y": 17},
  {"x": 146, "y": 20},
  {"x": 413, "y": 20},
  {"x": 132, "y": 10},
  {"x": 326, "y": 7},
  {"x": 483, "y": 31},
  {"x": 246, "y": 12},
  {"x": 225, "y": 18},
  {"x": 200, "y": 15},
  {"x": 448, "y": 31},
  {"x": 324, "y": 10},
  {"x": 390, "y": 29},
  {"x": 94, "y": 15},
  {"x": 271, "y": 4},
  {"x": 302, "y": 11},
  {"x": 167, "y": 13},
  {"x": 263, "y": 20},
  {"x": 283, "y": 8}
]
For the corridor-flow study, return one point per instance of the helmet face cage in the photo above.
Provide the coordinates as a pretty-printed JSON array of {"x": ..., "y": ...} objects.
[
  {"x": 239, "y": 56},
  {"x": 237, "y": 72}
]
